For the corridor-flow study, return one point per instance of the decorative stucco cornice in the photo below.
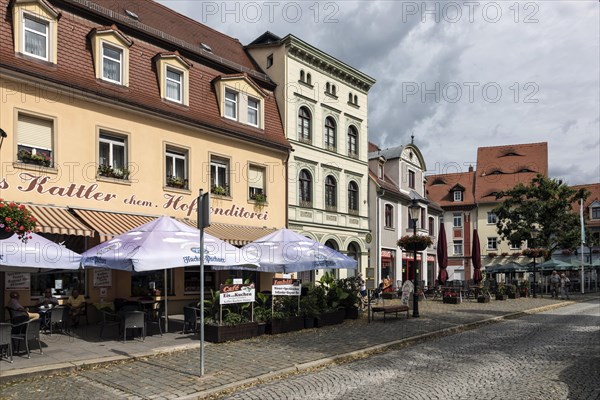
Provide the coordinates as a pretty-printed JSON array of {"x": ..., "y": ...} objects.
[{"x": 327, "y": 64}]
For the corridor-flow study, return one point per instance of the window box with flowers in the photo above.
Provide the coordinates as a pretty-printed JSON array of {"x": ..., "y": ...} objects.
[
  {"x": 451, "y": 297},
  {"x": 259, "y": 198},
  {"x": 492, "y": 254},
  {"x": 176, "y": 182},
  {"x": 414, "y": 242},
  {"x": 15, "y": 219},
  {"x": 110, "y": 172},
  {"x": 537, "y": 253},
  {"x": 27, "y": 157},
  {"x": 220, "y": 190}
]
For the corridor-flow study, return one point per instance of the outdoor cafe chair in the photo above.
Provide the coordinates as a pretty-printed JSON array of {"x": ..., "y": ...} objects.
[
  {"x": 134, "y": 320},
  {"x": 190, "y": 319},
  {"x": 109, "y": 319},
  {"x": 26, "y": 331},
  {"x": 58, "y": 319},
  {"x": 6, "y": 341},
  {"x": 155, "y": 314}
]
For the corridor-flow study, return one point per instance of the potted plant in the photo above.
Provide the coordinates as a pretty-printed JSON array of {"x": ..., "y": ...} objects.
[
  {"x": 414, "y": 242},
  {"x": 349, "y": 300},
  {"x": 220, "y": 190},
  {"x": 492, "y": 254},
  {"x": 309, "y": 305},
  {"x": 235, "y": 325},
  {"x": 524, "y": 288},
  {"x": 176, "y": 182},
  {"x": 262, "y": 312},
  {"x": 15, "y": 219},
  {"x": 333, "y": 311},
  {"x": 110, "y": 172},
  {"x": 259, "y": 198},
  {"x": 28, "y": 157},
  {"x": 501, "y": 292},
  {"x": 512, "y": 292},
  {"x": 285, "y": 316}
]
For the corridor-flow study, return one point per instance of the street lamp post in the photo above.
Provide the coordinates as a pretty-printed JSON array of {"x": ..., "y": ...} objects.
[
  {"x": 534, "y": 235},
  {"x": 415, "y": 210}
]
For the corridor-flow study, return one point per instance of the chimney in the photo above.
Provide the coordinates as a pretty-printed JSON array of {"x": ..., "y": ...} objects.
[{"x": 470, "y": 168}]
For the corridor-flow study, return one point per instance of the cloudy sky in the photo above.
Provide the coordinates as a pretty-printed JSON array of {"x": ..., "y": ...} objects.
[{"x": 459, "y": 75}]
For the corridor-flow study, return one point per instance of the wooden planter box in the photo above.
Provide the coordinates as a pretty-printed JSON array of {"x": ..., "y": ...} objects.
[
  {"x": 284, "y": 325},
  {"x": 524, "y": 292},
  {"x": 483, "y": 299},
  {"x": 500, "y": 297},
  {"x": 223, "y": 333},
  {"x": 451, "y": 300},
  {"x": 514, "y": 295},
  {"x": 351, "y": 313},
  {"x": 331, "y": 318},
  {"x": 309, "y": 322},
  {"x": 261, "y": 328}
]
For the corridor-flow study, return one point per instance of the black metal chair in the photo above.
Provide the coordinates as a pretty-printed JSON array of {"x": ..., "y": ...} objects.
[
  {"x": 109, "y": 319},
  {"x": 134, "y": 320},
  {"x": 6, "y": 341},
  {"x": 26, "y": 331},
  {"x": 190, "y": 319}
]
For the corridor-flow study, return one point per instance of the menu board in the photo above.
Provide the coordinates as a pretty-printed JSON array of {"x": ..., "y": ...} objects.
[
  {"x": 17, "y": 281},
  {"x": 102, "y": 277}
]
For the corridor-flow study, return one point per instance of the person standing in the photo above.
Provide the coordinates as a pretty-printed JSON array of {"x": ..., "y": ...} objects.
[
  {"x": 554, "y": 284},
  {"x": 565, "y": 282},
  {"x": 362, "y": 285}
]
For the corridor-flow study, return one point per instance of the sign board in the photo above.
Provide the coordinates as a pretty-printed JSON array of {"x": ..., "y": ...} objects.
[
  {"x": 286, "y": 287},
  {"x": 18, "y": 280},
  {"x": 238, "y": 281},
  {"x": 231, "y": 294},
  {"x": 102, "y": 277}
]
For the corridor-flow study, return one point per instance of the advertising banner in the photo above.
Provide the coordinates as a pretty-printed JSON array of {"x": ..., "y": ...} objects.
[
  {"x": 17, "y": 281},
  {"x": 236, "y": 293},
  {"x": 102, "y": 277},
  {"x": 286, "y": 287}
]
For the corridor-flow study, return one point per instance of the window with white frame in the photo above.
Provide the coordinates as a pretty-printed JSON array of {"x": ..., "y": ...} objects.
[
  {"x": 35, "y": 140},
  {"x": 431, "y": 229},
  {"x": 174, "y": 85},
  {"x": 112, "y": 63},
  {"x": 595, "y": 213},
  {"x": 219, "y": 176},
  {"x": 515, "y": 245},
  {"x": 352, "y": 198},
  {"x": 35, "y": 37},
  {"x": 305, "y": 188},
  {"x": 256, "y": 183},
  {"x": 491, "y": 218},
  {"x": 380, "y": 171},
  {"x": 112, "y": 157},
  {"x": 457, "y": 220},
  {"x": 231, "y": 104},
  {"x": 458, "y": 196},
  {"x": 253, "y": 105},
  {"x": 457, "y": 247},
  {"x": 176, "y": 167},
  {"x": 352, "y": 141},
  {"x": 492, "y": 243}
]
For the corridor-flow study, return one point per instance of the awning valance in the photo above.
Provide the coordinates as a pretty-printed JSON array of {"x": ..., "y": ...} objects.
[
  {"x": 237, "y": 235},
  {"x": 110, "y": 224},
  {"x": 58, "y": 220}
]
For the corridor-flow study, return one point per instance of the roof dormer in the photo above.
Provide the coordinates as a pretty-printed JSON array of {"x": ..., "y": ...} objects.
[
  {"x": 110, "y": 50},
  {"x": 240, "y": 99},
  {"x": 35, "y": 29}
]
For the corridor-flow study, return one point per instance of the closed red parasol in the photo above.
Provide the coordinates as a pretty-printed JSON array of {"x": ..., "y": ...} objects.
[
  {"x": 476, "y": 258},
  {"x": 442, "y": 255}
]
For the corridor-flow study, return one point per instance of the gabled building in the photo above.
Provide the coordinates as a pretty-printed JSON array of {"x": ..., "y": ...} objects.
[
  {"x": 591, "y": 220},
  {"x": 118, "y": 112},
  {"x": 396, "y": 177},
  {"x": 323, "y": 103}
]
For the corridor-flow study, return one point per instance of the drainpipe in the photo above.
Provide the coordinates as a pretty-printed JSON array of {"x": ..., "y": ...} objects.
[{"x": 379, "y": 195}]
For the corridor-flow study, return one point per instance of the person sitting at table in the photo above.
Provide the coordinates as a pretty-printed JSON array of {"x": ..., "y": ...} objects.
[
  {"x": 17, "y": 310},
  {"x": 76, "y": 304},
  {"x": 48, "y": 299}
]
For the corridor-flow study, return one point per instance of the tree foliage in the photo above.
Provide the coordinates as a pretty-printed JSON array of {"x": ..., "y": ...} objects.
[{"x": 544, "y": 205}]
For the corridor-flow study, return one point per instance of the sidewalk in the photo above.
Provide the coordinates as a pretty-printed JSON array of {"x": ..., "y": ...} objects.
[{"x": 168, "y": 366}]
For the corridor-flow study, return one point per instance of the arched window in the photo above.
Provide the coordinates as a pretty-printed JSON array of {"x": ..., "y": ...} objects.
[
  {"x": 352, "y": 139},
  {"x": 333, "y": 90},
  {"x": 332, "y": 245},
  {"x": 302, "y": 75},
  {"x": 327, "y": 87},
  {"x": 308, "y": 79},
  {"x": 354, "y": 253},
  {"x": 330, "y": 192},
  {"x": 305, "y": 188},
  {"x": 349, "y": 97},
  {"x": 304, "y": 125},
  {"x": 329, "y": 133},
  {"x": 353, "y": 198},
  {"x": 356, "y": 99}
]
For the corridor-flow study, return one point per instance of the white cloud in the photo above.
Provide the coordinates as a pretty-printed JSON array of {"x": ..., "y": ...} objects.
[{"x": 547, "y": 69}]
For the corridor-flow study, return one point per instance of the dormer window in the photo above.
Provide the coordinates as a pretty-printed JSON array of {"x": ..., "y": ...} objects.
[
  {"x": 380, "y": 171},
  {"x": 112, "y": 63},
  {"x": 173, "y": 75},
  {"x": 253, "y": 111},
  {"x": 111, "y": 55},
  {"x": 595, "y": 212},
  {"x": 411, "y": 179},
  {"x": 458, "y": 196},
  {"x": 35, "y": 29},
  {"x": 244, "y": 106},
  {"x": 230, "y": 104}
]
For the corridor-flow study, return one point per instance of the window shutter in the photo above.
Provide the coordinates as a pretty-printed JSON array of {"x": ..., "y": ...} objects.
[
  {"x": 256, "y": 177},
  {"x": 35, "y": 132}
]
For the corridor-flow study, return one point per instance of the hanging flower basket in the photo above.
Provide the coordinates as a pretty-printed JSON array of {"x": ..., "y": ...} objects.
[
  {"x": 15, "y": 218},
  {"x": 414, "y": 242}
]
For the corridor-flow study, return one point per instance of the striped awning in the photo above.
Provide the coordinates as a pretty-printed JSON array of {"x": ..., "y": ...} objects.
[
  {"x": 237, "y": 235},
  {"x": 110, "y": 224},
  {"x": 58, "y": 220}
]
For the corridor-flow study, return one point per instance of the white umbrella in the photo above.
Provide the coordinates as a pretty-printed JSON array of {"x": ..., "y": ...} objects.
[
  {"x": 37, "y": 252},
  {"x": 287, "y": 251}
]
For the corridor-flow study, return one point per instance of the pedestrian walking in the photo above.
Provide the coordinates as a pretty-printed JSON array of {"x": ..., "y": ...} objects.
[
  {"x": 554, "y": 284},
  {"x": 362, "y": 285},
  {"x": 565, "y": 283}
]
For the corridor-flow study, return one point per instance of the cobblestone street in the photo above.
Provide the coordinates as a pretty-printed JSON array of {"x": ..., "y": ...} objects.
[
  {"x": 236, "y": 364},
  {"x": 551, "y": 355}
]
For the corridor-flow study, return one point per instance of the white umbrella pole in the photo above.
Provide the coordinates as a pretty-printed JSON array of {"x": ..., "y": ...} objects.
[{"x": 166, "y": 308}]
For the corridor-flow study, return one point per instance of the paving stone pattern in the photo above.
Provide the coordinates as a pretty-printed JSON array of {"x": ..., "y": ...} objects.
[
  {"x": 552, "y": 355},
  {"x": 176, "y": 375}
]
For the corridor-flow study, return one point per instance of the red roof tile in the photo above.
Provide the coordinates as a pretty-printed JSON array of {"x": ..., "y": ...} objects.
[
  {"x": 439, "y": 189},
  {"x": 594, "y": 196}
]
